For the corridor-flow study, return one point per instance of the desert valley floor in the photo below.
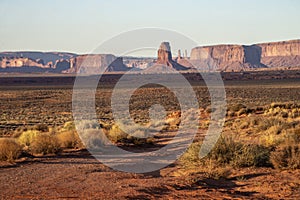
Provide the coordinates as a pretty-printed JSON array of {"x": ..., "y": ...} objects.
[{"x": 74, "y": 174}]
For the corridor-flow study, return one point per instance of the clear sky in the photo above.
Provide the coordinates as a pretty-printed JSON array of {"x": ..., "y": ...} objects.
[{"x": 79, "y": 26}]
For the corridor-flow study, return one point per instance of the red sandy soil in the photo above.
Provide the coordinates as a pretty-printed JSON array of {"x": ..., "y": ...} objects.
[{"x": 77, "y": 175}]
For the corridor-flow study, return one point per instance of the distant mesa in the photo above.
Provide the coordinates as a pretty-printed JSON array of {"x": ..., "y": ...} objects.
[
  {"x": 34, "y": 62},
  {"x": 96, "y": 63},
  {"x": 228, "y": 57},
  {"x": 273, "y": 55},
  {"x": 281, "y": 54},
  {"x": 243, "y": 57}
]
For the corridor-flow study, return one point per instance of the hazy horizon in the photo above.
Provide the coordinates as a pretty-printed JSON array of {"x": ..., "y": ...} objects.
[{"x": 79, "y": 27}]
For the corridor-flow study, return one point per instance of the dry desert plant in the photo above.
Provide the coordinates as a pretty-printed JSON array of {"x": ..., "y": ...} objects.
[
  {"x": 69, "y": 139},
  {"x": 9, "y": 149},
  {"x": 286, "y": 155},
  {"x": 27, "y": 137},
  {"x": 45, "y": 143}
]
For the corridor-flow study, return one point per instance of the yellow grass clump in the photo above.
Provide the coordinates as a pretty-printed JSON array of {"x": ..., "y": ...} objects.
[{"x": 9, "y": 149}]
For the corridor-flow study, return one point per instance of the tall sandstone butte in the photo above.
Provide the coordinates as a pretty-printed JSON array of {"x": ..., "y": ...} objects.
[{"x": 164, "y": 60}]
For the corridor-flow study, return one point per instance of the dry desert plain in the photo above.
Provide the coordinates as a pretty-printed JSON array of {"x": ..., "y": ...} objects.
[{"x": 257, "y": 156}]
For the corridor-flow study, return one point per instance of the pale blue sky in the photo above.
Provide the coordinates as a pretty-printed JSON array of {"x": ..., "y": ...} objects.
[{"x": 80, "y": 26}]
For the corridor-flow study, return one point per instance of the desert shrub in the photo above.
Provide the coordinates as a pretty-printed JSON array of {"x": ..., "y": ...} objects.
[
  {"x": 286, "y": 155},
  {"x": 229, "y": 152},
  {"x": 251, "y": 155},
  {"x": 9, "y": 149},
  {"x": 280, "y": 105},
  {"x": 191, "y": 157},
  {"x": 27, "y": 137},
  {"x": 284, "y": 110},
  {"x": 296, "y": 134},
  {"x": 173, "y": 123},
  {"x": 137, "y": 136},
  {"x": 253, "y": 121},
  {"x": 283, "y": 105},
  {"x": 19, "y": 131},
  {"x": 69, "y": 139},
  {"x": 241, "y": 112},
  {"x": 274, "y": 130},
  {"x": 295, "y": 112},
  {"x": 238, "y": 110},
  {"x": 115, "y": 134},
  {"x": 224, "y": 150},
  {"x": 271, "y": 140},
  {"x": 244, "y": 125},
  {"x": 279, "y": 124},
  {"x": 68, "y": 126},
  {"x": 212, "y": 171},
  {"x": 45, "y": 144}
]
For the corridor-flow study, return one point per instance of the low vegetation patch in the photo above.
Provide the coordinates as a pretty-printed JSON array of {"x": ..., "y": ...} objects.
[
  {"x": 227, "y": 152},
  {"x": 45, "y": 144},
  {"x": 9, "y": 149},
  {"x": 69, "y": 139},
  {"x": 137, "y": 137},
  {"x": 26, "y": 138},
  {"x": 287, "y": 154}
]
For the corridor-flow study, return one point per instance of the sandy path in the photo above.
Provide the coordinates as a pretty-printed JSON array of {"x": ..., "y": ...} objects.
[{"x": 77, "y": 175}]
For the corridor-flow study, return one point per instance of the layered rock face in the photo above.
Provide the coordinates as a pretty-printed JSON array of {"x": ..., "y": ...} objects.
[
  {"x": 19, "y": 62},
  {"x": 97, "y": 63},
  {"x": 281, "y": 54},
  {"x": 59, "y": 63},
  {"x": 227, "y": 57},
  {"x": 30, "y": 62},
  {"x": 243, "y": 57},
  {"x": 219, "y": 57}
]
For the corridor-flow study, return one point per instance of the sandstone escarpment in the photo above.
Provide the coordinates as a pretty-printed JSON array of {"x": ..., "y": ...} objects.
[
  {"x": 19, "y": 62},
  {"x": 284, "y": 54},
  {"x": 31, "y": 62},
  {"x": 281, "y": 54},
  {"x": 97, "y": 63},
  {"x": 226, "y": 57},
  {"x": 243, "y": 57}
]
